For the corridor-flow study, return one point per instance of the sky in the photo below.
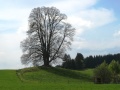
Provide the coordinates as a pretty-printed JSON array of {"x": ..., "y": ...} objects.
[{"x": 97, "y": 24}]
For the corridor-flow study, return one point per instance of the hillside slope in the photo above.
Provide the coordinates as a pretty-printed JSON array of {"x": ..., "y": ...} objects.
[{"x": 54, "y": 75}]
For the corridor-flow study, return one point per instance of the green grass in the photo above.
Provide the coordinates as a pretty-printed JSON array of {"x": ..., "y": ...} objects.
[
  {"x": 50, "y": 79},
  {"x": 53, "y": 75}
]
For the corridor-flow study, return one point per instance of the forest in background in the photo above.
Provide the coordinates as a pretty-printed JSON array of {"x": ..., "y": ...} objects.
[{"x": 88, "y": 62}]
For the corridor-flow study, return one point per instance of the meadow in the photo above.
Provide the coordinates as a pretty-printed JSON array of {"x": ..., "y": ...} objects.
[{"x": 43, "y": 78}]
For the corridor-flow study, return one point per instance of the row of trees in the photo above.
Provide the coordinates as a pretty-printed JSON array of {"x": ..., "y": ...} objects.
[
  {"x": 94, "y": 61},
  {"x": 89, "y": 62}
]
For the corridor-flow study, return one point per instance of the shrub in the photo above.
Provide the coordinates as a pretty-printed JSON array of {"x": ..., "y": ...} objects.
[
  {"x": 114, "y": 67},
  {"x": 103, "y": 73}
]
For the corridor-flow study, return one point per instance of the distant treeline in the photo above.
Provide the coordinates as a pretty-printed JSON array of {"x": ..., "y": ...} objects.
[
  {"x": 93, "y": 61},
  {"x": 89, "y": 62}
]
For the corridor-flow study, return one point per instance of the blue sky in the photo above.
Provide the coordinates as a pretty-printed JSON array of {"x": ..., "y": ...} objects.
[{"x": 97, "y": 24}]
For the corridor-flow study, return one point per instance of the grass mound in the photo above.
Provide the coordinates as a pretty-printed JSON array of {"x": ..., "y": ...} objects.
[{"x": 51, "y": 74}]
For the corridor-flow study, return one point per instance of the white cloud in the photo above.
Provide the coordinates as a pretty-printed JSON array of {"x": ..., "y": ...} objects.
[
  {"x": 16, "y": 14},
  {"x": 1, "y": 53},
  {"x": 96, "y": 45},
  {"x": 11, "y": 19},
  {"x": 10, "y": 51},
  {"x": 23, "y": 28},
  {"x": 91, "y": 19},
  {"x": 79, "y": 22},
  {"x": 71, "y": 5},
  {"x": 98, "y": 17},
  {"x": 117, "y": 34}
]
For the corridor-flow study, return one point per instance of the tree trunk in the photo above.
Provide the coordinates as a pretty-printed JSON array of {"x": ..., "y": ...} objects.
[
  {"x": 46, "y": 63},
  {"x": 46, "y": 60}
]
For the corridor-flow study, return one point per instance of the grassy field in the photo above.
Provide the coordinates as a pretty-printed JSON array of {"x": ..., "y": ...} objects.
[{"x": 50, "y": 79}]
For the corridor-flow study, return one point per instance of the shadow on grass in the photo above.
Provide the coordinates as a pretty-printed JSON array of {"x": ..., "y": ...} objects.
[{"x": 67, "y": 73}]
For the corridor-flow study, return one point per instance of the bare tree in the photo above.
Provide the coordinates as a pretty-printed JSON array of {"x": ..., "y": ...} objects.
[{"x": 49, "y": 36}]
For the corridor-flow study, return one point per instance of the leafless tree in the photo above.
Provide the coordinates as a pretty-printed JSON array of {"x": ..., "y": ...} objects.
[{"x": 49, "y": 36}]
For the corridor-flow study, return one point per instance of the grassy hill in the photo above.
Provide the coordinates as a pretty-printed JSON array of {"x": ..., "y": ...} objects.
[
  {"x": 50, "y": 79},
  {"x": 54, "y": 75}
]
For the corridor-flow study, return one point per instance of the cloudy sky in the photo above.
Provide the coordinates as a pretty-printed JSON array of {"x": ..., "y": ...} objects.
[{"x": 97, "y": 24}]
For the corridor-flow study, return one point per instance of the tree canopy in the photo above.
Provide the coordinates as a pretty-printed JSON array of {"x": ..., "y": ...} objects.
[{"x": 49, "y": 36}]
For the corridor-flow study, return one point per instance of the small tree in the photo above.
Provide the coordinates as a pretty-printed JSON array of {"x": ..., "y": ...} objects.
[
  {"x": 114, "y": 67},
  {"x": 103, "y": 73},
  {"x": 79, "y": 61},
  {"x": 67, "y": 61},
  {"x": 66, "y": 57}
]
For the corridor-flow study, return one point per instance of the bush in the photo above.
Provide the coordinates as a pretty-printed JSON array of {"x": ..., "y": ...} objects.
[
  {"x": 114, "y": 67},
  {"x": 103, "y": 73}
]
